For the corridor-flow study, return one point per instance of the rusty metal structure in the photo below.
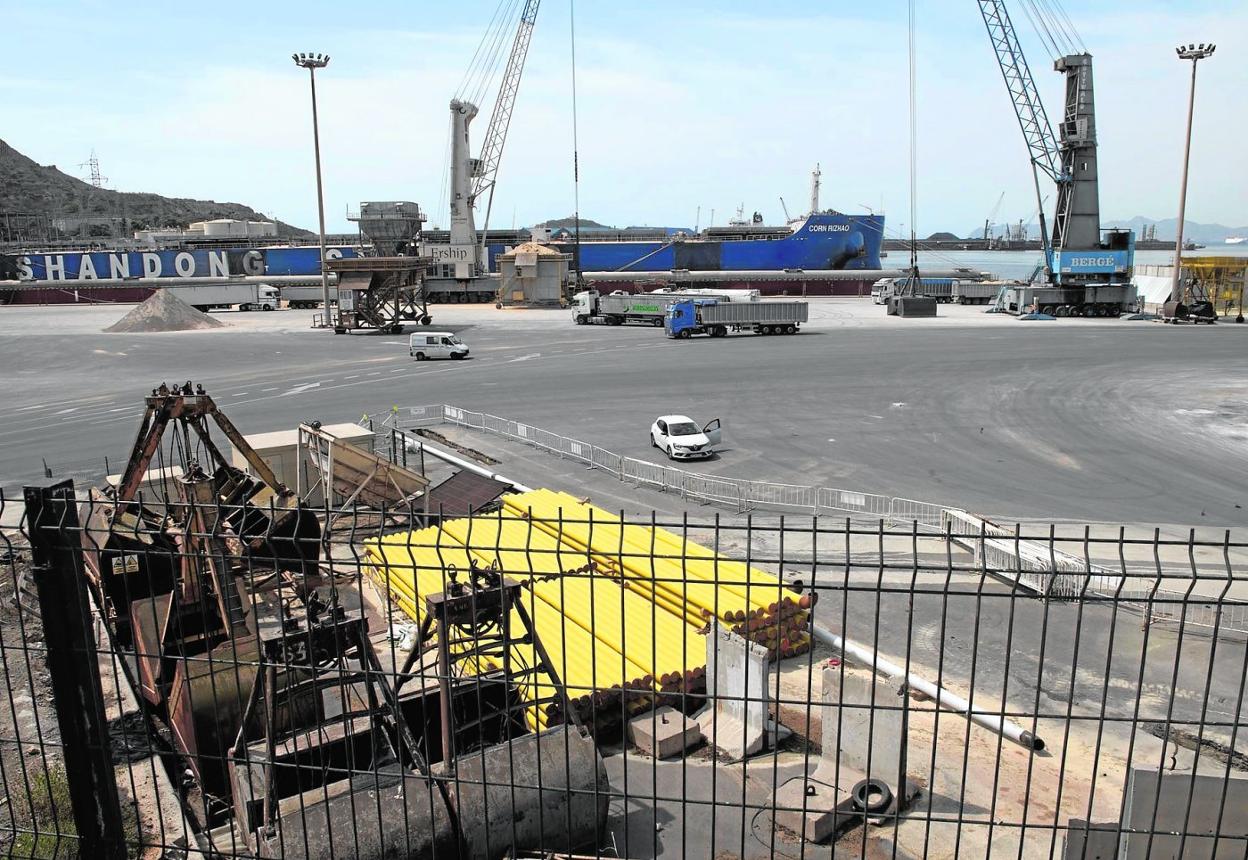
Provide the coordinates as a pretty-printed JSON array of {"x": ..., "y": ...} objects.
[{"x": 181, "y": 587}]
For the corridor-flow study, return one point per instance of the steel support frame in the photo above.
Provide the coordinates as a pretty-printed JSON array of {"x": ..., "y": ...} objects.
[{"x": 64, "y": 608}]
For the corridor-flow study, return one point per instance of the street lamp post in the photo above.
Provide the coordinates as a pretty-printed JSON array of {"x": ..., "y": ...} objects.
[
  {"x": 1195, "y": 53},
  {"x": 312, "y": 62}
]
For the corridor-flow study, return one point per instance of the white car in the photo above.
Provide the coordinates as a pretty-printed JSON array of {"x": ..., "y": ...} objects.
[{"x": 680, "y": 437}]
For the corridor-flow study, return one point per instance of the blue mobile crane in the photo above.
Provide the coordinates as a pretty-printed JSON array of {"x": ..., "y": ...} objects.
[{"x": 1086, "y": 271}]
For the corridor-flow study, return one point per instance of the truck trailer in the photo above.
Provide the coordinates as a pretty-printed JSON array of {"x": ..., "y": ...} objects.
[
  {"x": 712, "y": 317},
  {"x": 205, "y": 297},
  {"x": 308, "y": 295},
  {"x": 975, "y": 292},
  {"x": 943, "y": 290}
]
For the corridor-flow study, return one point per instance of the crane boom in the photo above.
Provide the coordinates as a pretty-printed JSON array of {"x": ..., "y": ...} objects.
[
  {"x": 500, "y": 119},
  {"x": 1032, "y": 119}
]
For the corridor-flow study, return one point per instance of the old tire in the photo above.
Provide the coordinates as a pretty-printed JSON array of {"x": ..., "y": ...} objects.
[{"x": 420, "y": 356}]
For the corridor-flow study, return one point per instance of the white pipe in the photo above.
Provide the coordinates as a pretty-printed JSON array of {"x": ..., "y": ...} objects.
[
  {"x": 954, "y": 703},
  {"x": 460, "y": 462}
]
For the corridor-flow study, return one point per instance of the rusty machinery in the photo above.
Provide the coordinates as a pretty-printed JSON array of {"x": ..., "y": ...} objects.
[
  {"x": 325, "y": 764},
  {"x": 184, "y": 586},
  {"x": 331, "y": 762}
]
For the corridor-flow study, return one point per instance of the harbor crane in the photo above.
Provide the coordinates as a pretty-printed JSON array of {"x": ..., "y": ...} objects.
[
  {"x": 474, "y": 178},
  {"x": 1086, "y": 271},
  {"x": 991, "y": 219}
]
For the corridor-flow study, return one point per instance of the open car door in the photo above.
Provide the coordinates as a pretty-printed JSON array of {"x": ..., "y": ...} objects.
[{"x": 714, "y": 431}]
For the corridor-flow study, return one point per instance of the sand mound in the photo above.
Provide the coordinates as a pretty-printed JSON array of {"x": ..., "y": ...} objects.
[{"x": 163, "y": 311}]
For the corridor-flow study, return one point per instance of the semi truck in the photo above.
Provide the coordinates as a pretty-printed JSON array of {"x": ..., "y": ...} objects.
[
  {"x": 619, "y": 307},
  {"x": 714, "y": 318},
  {"x": 244, "y": 296}
]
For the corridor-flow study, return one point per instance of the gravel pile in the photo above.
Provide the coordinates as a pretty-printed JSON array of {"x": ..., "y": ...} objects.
[{"x": 163, "y": 311}]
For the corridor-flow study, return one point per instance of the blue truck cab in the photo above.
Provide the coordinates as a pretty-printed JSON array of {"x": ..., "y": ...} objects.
[{"x": 683, "y": 317}]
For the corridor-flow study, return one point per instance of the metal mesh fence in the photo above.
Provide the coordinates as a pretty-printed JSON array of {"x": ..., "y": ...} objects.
[{"x": 544, "y": 677}]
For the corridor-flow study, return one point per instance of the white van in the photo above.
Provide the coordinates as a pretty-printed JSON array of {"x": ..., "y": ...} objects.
[{"x": 436, "y": 344}]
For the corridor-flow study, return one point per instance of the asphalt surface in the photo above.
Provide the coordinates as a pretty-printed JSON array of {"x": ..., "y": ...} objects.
[{"x": 1073, "y": 420}]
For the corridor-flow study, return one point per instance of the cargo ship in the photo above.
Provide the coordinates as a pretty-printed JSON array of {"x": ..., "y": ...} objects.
[{"x": 824, "y": 253}]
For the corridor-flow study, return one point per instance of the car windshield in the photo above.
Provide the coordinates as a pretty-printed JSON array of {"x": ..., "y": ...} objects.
[{"x": 685, "y": 429}]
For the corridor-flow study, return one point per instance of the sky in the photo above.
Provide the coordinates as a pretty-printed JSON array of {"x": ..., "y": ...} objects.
[{"x": 683, "y": 109}]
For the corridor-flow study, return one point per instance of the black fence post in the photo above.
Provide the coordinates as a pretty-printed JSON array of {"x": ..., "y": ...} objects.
[{"x": 56, "y": 550}]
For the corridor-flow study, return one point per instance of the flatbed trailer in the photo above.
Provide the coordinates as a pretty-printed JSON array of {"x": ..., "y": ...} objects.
[{"x": 715, "y": 318}]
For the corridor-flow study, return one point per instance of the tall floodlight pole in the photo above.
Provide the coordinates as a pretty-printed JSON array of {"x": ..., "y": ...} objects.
[
  {"x": 1195, "y": 53},
  {"x": 312, "y": 62}
]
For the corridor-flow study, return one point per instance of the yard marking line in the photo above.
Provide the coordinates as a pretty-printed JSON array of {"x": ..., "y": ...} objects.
[
  {"x": 263, "y": 390},
  {"x": 352, "y": 376},
  {"x": 240, "y": 394}
]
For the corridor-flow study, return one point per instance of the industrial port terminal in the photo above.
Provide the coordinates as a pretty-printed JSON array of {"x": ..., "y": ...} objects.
[{"x": 441, "y": 539}]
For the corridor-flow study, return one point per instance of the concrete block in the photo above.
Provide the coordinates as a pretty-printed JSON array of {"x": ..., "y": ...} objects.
[
  {"x": 818, "y": 822},
  {"x": 736, "y": 680},
  {"x": 865, "y": 723},
  {"x": 808, "y": 807},
  {"x": 663, "y": 733},
  {"x": 1187, "y": 805}
]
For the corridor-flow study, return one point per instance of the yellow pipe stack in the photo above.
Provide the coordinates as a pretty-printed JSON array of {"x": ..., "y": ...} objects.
[{"x": 620, "y": 608}]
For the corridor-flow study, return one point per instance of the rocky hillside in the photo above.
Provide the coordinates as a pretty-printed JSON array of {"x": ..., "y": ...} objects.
[{"x": 28, "y": 187}]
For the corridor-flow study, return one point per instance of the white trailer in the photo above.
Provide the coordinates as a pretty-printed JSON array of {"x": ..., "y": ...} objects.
[
  {"x": 975, "y": 292},
  {"x": 244, "y": 296},
  {"x": 307, "y": 295}
]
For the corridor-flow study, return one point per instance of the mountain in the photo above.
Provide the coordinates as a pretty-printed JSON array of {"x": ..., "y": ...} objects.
[
  {"x": 30, "y": 188},
  {"x": 1192, "y": 230},
  {"x": 570, "y": 221}
]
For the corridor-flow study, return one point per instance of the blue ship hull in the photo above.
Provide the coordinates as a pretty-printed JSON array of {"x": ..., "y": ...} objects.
[{"x": 823, "y": 241}]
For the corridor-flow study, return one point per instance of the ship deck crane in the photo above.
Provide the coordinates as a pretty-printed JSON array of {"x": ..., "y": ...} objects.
[{"x": 1087, "y": 274}]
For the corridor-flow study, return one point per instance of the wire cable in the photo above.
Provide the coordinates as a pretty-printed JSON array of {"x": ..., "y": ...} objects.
[
  {"x": 576, "y": 156},
  {"x": 914, "y": 139}
]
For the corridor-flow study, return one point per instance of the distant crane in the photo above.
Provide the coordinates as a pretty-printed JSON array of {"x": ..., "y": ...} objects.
[
  {"x": 787, "y": 219},
  {"x": 992, "y": 216}
]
